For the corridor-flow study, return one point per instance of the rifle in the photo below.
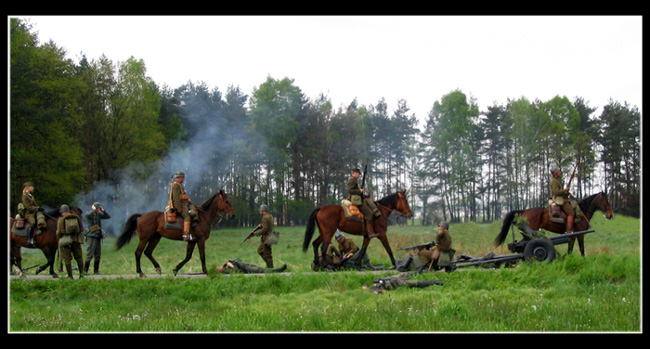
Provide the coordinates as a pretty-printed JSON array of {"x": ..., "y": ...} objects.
[
  {"x": 572, "y": 175},
  {"x": 363, "y": 180},
  {"x": 427, "y": 245},
  {"x": 251, "y": 234}
]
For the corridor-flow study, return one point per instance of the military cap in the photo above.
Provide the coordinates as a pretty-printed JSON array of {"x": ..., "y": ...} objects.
[
  {"x": 28, "y": 184},
  {"x": 356, "y": 169}
]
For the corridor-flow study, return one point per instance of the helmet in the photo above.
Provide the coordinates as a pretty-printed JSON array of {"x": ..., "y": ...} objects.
[
  {"x": 356, "y": 169},
  {"x": 444, "y": 224},
  {"x": 179, "y": 174},
  {"x": 264, "y": 208},
  {"x": 338, "y": 235},
  {"x": 64, "y": 208},
  {"x": 97, "y": 204},
  {"x": 554, "y": 170}
]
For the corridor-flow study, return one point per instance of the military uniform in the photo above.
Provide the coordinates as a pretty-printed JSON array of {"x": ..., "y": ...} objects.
[
  {"x": 366, "y": 206},
  {"x": 180, "y": 201},
  {"x": 70, "y": 242},
  {"x": 561, "y": 197},
  {"x": 32, "y": 212},
  {"x": 94, "y": 236},
  {"x": 266, "y": 227},
  {"x": 237, "y": 266},
  {"x": 391, "y": 282},
  {"x": 442, "y": 253},
  {"x": 350, "y": 252}
]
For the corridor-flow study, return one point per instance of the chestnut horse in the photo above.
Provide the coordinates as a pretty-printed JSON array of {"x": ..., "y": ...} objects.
[
  {"x": 331, "y": 217},
  {"x": 46, "y": 241},
  {"x": 151, "y": 227},
  {"x": 538, "y": 217}
]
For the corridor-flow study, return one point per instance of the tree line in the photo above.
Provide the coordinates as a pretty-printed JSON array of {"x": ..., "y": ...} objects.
[{"x": 79, "y": 126}]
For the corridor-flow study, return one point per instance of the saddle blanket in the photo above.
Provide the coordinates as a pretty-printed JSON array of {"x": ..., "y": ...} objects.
[{"x": 352, "y": 212}]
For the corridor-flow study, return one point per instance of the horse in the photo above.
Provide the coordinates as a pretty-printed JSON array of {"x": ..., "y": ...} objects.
[
  {"x": 538, "y": 218},
  {"x": 47, "y": 241},
  {"x": 329, "y": 218},
  {"x": 151, "y": 228}
]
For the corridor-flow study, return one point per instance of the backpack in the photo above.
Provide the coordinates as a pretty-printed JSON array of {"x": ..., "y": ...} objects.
[{"x": 71, "y": 225}]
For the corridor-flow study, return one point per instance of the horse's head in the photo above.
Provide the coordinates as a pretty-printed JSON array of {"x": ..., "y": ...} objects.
[
  {"x": 402, "y": 205},
  {"x": 223, "y": 205},
  {"x": 603, "y": 205}
]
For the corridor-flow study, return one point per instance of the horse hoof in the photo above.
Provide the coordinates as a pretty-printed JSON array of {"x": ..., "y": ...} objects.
[
  {"x": 142, "y": 275},
  {"x": 159, "y": 271},
  {"x": 175, "y": 272}
]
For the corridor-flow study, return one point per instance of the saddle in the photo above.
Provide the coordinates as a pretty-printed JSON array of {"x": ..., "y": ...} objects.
[
  {"x": 18, "y": 231},
  {"x": 352, "y": 212},
  {"x": 178, "y": 224},
  {"x": 557, "y": 215}
]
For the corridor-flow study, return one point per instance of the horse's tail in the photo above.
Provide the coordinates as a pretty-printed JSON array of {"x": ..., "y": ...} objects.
[
  {"x": 507, "y": 222},
  {"x": 127, "y": 232},
  {"x": 309, "y": 232}
]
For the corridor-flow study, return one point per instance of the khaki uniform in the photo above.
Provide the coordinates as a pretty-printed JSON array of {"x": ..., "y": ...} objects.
[
  {"x": 70, "y": 244},
  {"x": 394, "y": 281},
  {"x": 366, "y": 206},
  {"x": 94, "y": 238},
  {"x": 264, "y": 250},
  {"x": 32, "y": 214},
  {"x": 348, "y": 246},
  {"x": 180, "y": 200},
  {"x": 561, "y": 196},
  {"x": 442, "y": 253}
]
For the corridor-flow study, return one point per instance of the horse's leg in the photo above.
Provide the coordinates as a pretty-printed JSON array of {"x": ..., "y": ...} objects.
[
  {"x": 153, "y": 242},
  {"x": 384, "y": 241},
  {"x": 581, "y": 244},
  {"x": 188, "y": 256},
  {"x": 201, "y": 244},
  {"x": 138, "y": 255},
  {"x": 572, "y": 241},
  {"x": 364, "y": 246},
  {"x": 315, "y": 244},
  {"x": 16, "y": 258}
]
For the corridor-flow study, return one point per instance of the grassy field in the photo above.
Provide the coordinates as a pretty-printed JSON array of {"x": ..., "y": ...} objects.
[{"x": 598, "y": 293}]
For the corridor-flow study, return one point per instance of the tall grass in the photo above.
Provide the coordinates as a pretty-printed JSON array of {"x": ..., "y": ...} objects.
[{"x": 598, "y": 293}]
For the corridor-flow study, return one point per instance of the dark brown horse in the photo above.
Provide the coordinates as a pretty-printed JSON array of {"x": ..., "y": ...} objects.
[
  {"x": 332, "y": 217},
  {"x": 46, "y": 241},
  {"x": 151, "y": 227},
  {"x": 538, "y": 217}
]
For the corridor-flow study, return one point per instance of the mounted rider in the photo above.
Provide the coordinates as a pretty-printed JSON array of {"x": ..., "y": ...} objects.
[
  {"x": 32, "y": 212},
  {"x": 561, "y": 197},
  {"x": 180, "y": 201},
  {"x": 366, "y": 205}
]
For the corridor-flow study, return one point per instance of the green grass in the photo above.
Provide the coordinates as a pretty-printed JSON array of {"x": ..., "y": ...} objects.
[{"x": 598, "y": 293}]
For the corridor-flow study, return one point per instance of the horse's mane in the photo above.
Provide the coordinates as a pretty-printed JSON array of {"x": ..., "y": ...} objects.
[
  {"x": 586, "y": 202},
  {"x": 208, "y": 202},
  {"x": 390, "y": 200}
]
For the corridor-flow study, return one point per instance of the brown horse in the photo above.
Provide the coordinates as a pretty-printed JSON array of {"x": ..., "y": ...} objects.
[
  {"x": 151, "y": 227},
  {"x": 538, "y": 217},
  {"x": 46, "y": 241},
  {"x": 329, "y": 218}
]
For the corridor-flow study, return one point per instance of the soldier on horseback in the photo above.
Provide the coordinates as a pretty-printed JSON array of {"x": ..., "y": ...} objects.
[
  {"x": 366, "y": 206},
  {"x": 561, "y": 197},
  {"x": 32, "y": 212},
  {"x": 180, "y": 201}
]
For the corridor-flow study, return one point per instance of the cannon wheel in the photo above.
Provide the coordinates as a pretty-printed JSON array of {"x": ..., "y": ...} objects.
[{"x": 540, "y": 250}]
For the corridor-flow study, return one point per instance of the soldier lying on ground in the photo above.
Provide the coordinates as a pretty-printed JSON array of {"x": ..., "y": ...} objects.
[
  {"x": 391, "y": 282},
  {"x": 237, "y": 266}
]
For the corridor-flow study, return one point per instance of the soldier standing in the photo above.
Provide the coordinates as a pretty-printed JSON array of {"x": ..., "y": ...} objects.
[
  {"x": 180, "y": 201},
  {"x": 366, "y": 206},
  {"x": 32, "y": 212},
  {"x": 95, "y": 235},
  {"x": 68, "y": 231},
  {"x": 561, "y": 197},
  {"x": 265, "y": 228}
]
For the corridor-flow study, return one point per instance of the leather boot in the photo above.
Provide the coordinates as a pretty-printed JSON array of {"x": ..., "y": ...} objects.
[
  {"x": 80, "y": 263},
  {"x": 569, "y": 224},
  {"x": 96, "y": 266},
  {"x": 68, "y": 268},
  {"x": 86, "y": 266},
  {"x": 30, "y": 235},
  {"x": 370, "y": 230},
  {"x": 186, "y": 231}
]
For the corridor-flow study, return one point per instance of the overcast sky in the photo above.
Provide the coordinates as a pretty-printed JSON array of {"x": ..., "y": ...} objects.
[{"x": 418, "y": 59}]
